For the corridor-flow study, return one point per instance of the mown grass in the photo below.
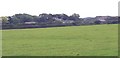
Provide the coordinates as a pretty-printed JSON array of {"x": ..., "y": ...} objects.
[{"x": 96, "y": 40}]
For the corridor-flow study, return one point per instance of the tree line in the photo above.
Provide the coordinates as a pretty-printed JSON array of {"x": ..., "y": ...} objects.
[{"x": 53, "y": 20}]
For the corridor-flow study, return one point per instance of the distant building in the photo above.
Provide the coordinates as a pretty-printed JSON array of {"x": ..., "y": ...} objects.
[
  {"x": 30, "y": 22},
  {"x": 102, "y": 18},
  {"x": 68, "y": 21},
  {"x": 64, "y": 21}
]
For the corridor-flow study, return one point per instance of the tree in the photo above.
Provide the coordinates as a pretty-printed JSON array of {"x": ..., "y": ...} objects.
[
  {"x": 14, "y": 20},
  {"x": 97, "y": 22},
  {"x": 76, "y": 19},
  {"x": 4, "y": 20},
  {"x": 24, "y": 17}
]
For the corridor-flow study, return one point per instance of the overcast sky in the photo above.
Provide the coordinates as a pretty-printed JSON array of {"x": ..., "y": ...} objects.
[{"x": 86, "y": 8}]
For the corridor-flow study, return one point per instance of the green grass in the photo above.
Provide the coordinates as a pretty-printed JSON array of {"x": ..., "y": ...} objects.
[{"x": 95, "y": 40}]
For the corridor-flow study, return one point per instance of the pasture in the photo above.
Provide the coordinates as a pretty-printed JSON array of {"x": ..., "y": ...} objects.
[{"x": 93, "y": 40}]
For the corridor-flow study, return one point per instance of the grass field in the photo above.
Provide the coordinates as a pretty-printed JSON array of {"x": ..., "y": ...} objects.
[{"x": 95, "y": 40}]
